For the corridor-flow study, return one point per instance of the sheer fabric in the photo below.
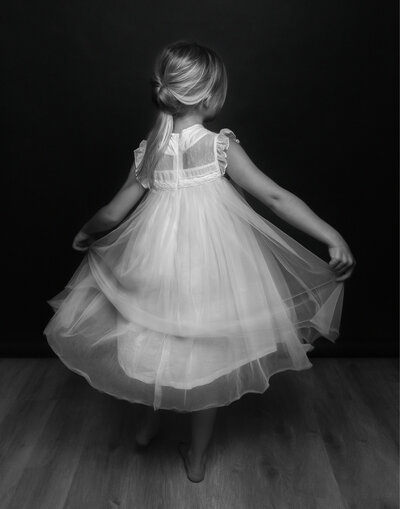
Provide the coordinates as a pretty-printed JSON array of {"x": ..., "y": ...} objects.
[{"x": 194, "y": 299}]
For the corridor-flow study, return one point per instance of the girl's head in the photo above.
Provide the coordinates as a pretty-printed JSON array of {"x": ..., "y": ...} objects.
[{"x": 187, "y": 78}]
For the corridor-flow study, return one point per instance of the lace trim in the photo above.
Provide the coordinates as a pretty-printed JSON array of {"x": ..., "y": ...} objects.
[
  {"x": 191, "y": 182},
  {"x": 222, "y": 144}
]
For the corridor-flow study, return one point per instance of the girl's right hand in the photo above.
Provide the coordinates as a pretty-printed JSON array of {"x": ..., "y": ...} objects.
[
  {"x": 342, "y": 261},
  {"x": 82, "y": 241}
]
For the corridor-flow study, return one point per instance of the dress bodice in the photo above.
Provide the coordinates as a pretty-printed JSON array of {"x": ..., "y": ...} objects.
[{"x": 194, "y": 156}]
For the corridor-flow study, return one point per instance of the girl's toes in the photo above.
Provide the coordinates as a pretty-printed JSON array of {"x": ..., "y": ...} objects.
[
  {"x": 194, "y": 473},
  {"x": 146, "y": 433}
]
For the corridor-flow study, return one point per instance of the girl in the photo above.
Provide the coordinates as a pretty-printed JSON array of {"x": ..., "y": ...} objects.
[{"x": 194, "y": 299}]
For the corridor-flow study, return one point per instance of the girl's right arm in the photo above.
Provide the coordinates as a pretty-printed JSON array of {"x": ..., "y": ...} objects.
[
  {"x": 290, "y": 208},
  {"x": 111, "y": 214}
]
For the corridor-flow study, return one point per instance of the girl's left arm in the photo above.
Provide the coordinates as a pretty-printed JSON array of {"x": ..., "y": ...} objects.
[
  {"x": 111, "y": 214},
  {"x": 290, "y": 208}
]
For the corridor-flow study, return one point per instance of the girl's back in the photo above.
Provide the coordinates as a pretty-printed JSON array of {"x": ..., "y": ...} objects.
[{"x": 193, "y": 156}]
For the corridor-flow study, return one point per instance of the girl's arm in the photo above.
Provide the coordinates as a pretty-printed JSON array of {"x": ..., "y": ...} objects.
[
  {"x": 289, "y": 207},
  {"x": 111, "y": 214}
]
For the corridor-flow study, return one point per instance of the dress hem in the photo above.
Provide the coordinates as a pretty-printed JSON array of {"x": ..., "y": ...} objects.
[{"x": 180, "y": 410}]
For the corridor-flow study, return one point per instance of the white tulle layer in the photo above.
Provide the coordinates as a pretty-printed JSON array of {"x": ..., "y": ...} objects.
[{"x": 193, "y": 301}]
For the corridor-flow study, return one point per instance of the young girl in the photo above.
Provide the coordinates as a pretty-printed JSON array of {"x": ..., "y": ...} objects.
[{"x": 194, "y": 299}]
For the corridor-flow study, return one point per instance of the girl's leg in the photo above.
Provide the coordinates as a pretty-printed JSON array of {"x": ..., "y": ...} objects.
[
  {"x": 202, "y": 427},
  {"x": 149, "y": 425}
]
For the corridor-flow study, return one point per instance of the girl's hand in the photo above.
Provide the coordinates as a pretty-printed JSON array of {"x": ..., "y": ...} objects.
[
  {"x": 342, "y": 261},
  {"x": 82, "y": 241}
]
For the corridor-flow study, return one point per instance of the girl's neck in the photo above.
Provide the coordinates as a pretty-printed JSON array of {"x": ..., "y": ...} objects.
[{"x": 185, "y": 122}]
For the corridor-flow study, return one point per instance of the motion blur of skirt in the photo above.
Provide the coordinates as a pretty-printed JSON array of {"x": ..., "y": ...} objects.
[{"x": 193, "y": 301}]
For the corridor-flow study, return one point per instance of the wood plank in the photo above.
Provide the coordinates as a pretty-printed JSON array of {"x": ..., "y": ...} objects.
[
  {"x": 376, "y": 383},
  {"x": 275, "y": 446},
  {"x": 49, "y": 472},
  {"x": 21, "y": 420},
  {"x": 323, "y": 438},
  {"x": 19, "y": 433},
  {"x": 363, "y": 461}
]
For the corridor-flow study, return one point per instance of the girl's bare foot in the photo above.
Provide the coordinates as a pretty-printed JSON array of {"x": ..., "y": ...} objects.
[
  {"x": 148, "y": 428},
  {"x": 195, "y": 467}
]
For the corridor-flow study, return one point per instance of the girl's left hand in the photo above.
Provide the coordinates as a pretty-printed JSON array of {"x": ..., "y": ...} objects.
[
  {"x": 82, "y": 241},
  {"x": 342, "y": 261}
]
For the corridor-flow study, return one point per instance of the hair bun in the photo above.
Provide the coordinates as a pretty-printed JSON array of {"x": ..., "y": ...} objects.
[{"x": 163, "y": 97}]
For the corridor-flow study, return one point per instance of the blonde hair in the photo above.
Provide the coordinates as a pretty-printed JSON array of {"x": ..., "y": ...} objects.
[{"x": 185, "y": 75}]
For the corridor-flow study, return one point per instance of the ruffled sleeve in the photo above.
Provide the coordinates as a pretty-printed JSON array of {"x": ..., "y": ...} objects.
[
  {"x": 223, "y": 140},
  {"x": 138, "y": 154}
]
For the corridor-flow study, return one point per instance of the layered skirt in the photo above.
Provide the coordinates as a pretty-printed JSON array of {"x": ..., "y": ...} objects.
[{"x": 193, "y": 301}]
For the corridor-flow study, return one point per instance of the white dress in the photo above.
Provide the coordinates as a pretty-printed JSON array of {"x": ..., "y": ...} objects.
[{"x": 194, "y": 299}]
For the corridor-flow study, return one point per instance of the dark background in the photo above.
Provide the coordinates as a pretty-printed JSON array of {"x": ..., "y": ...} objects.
[{"x": 312, "y": 97}]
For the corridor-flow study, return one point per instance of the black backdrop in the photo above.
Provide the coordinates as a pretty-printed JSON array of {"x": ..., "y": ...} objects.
[{"x": 312, "y": 97}]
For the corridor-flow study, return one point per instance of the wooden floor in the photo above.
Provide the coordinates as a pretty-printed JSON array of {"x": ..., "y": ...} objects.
[{"x": 323, "y": 438}]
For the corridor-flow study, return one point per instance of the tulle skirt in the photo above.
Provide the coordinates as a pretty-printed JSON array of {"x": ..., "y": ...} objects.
[{"x": 193, "y": 301}]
